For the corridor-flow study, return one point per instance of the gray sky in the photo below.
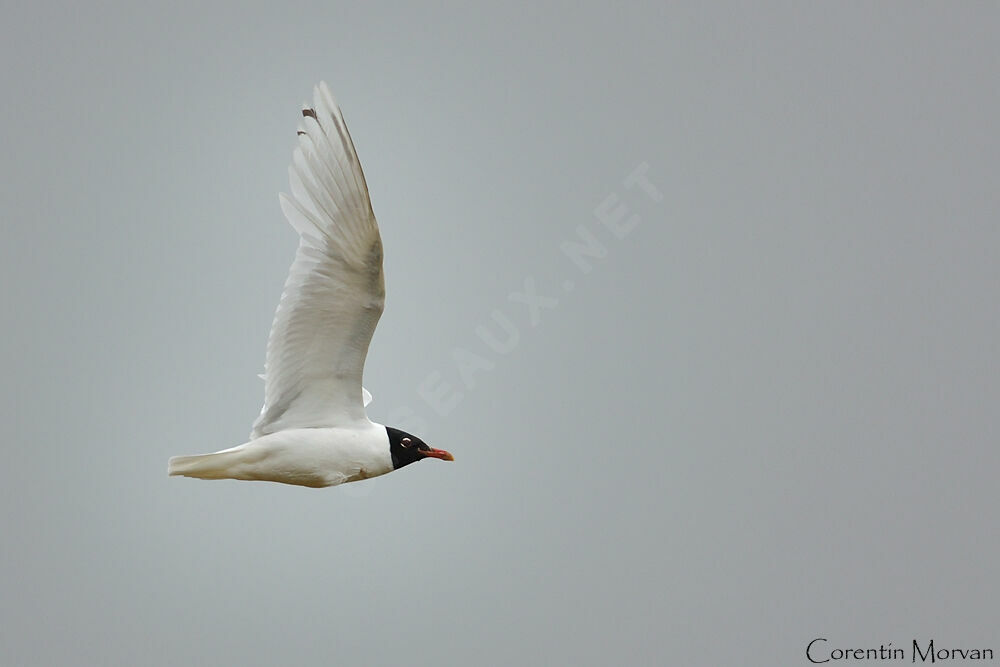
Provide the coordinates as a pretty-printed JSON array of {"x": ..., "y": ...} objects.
[{"x": 765, "y": 414}]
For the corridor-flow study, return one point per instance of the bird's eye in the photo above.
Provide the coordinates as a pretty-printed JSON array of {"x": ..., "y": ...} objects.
[{"x": 405, "y": 442}]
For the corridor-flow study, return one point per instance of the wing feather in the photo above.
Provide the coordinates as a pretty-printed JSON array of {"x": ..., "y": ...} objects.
[{"x": 335, "y": 290}]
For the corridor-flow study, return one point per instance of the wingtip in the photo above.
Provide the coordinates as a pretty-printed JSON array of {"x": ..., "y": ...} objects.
[{"x": 325, "y": 97}]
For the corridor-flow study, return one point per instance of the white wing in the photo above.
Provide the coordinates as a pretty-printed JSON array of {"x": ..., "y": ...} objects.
[
  {"x": 334, "y": 293},
  {"x": 366, "y": 396}
]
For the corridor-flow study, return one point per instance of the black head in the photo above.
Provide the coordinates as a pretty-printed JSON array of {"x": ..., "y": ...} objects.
[{"x": 406, "y": 449}]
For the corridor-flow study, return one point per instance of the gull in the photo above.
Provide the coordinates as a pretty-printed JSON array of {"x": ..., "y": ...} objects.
[{"x": 313, "y": 429}]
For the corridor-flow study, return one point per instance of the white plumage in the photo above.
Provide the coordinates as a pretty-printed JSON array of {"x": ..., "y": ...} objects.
[{"x": 313, "y": 429}]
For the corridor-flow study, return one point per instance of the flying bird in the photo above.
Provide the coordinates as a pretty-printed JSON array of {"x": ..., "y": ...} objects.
[{"x": 314, "y": 429}]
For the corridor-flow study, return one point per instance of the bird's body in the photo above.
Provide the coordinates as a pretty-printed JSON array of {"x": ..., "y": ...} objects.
[
  {"x": 315, "y": 457},
  {"x": 313, "y": 429}
]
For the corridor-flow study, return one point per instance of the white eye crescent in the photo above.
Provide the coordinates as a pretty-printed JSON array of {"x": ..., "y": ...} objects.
[{"x": 405, "y": 442}]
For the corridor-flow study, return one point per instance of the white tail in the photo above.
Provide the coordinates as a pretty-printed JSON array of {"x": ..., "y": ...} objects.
[{"x": 204, "y": 466}]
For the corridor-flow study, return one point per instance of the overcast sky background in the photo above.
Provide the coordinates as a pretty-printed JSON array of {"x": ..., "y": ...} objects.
[{"x": 767, "y": 414}]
